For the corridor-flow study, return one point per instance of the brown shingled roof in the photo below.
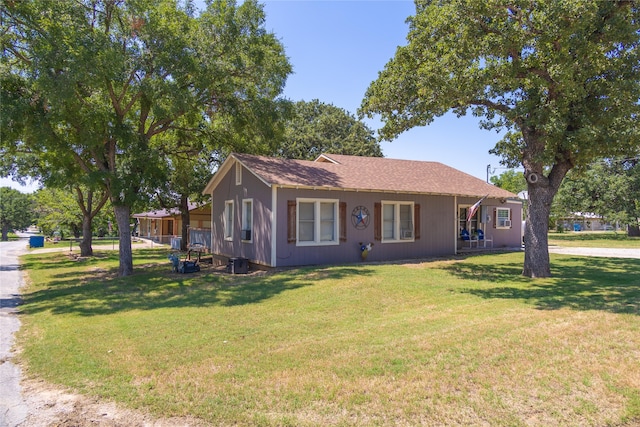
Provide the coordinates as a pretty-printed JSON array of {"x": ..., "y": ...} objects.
[
  {"x": 376, "y": 174},
  {"x": 163, "y": 213}
]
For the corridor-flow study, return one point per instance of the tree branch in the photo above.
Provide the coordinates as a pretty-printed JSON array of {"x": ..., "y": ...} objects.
[
  {"x": 162, "y": 125},
  {"x": 80, "y": 199},
  {"x": 101, "y": 203},
  {"x": 491, "y": 105}
]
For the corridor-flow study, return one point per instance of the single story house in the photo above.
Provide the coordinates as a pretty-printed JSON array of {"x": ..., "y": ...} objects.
[
  {"x": 343, "y": 209},
  {"x": 584, "y": 221},
  {"x": 163, "y": 225}
]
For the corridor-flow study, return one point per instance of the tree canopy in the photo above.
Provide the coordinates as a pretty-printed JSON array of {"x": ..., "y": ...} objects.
[
  {"x": 67, "y": 211},
  {"x": 510, "y": 180},
  {"x": 16, "y": 211},
  {"x": 92, "y": 84},
  {"x": 315, "y": 128},
  {"x": 562, "y": 77}
]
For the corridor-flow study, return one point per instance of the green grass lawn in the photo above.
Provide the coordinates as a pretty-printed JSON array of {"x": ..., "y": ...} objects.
[
  {"x": 74, "y": 244},
  {"x": 464, "y": 341},
  {"x": 594, "y": 239}
]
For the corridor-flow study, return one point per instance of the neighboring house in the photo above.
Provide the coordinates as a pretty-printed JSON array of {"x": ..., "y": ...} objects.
[
  {"x": 279, "y": 212},
  {"x": 584, "y": 221},
  {"x": 164, "y": 225}
]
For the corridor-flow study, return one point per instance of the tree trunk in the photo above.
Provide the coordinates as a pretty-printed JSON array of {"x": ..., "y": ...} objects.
[
  {"x": 536, "y": 240},
  {"x": 542, "y": 189},
  {"x": 5, "y": 232},
  {"x": 88, "y": 213},
  {"x": 184, "y": 215},
  {"x": 85, "y": 244},
  {"x": 122, "y": 213}
]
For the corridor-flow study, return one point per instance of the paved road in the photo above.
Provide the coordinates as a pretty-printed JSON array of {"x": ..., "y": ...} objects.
[
  {"x": 597, "y": 252},
  {"x": 13, "y": 408}
]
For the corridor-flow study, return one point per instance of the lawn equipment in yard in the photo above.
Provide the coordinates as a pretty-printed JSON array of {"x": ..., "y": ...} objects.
[{"x": 186, "y": 266}]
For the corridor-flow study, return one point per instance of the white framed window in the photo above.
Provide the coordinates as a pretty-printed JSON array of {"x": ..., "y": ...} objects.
[
  {"x": 503, "y": 217},
  {"x": 317, "y": 222},
  {"x": 238, "y": 173},
  {"x": 228, "y": 220},
  {"x": 397, "y": 221},
  {"x": 246, "y": 233}
]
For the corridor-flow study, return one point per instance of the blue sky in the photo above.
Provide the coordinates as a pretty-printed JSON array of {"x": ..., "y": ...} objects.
[{"x": 337, "y": 49}]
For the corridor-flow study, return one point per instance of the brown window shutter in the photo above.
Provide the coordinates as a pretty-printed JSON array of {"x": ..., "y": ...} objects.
[
  {"x": 416, "y": 221},
  {"x": 343, "y": 221},
  {"x": 377, "y": 221},
  {"x": 291, "y": 221},
  {"x": 495, "y": 218}
]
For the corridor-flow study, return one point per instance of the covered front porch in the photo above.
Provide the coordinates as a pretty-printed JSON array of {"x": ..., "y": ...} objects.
[{"x": 487, "y": 224}]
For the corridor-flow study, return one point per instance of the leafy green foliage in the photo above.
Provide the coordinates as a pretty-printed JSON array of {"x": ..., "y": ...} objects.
[
  {"x": 90, "y": 86},
  {"x": 316, "y": 128},
  {"x": 16, "y": 211},
  {"x": 510, "y": 180},
  {"x": 58, "y": 210},
  {"x": 563, "y": 71}
]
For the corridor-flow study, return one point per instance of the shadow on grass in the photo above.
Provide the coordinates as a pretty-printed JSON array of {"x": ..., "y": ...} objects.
[
  {"x": 579, "y": 283},
  {"x": 90, "y": 290}
]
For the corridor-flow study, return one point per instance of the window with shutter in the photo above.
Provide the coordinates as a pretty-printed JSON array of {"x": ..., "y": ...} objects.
[
  {"x": 397, "y": 221},
  {"x": 503, "y": 218},
  {"x": 315, "y": 222}
]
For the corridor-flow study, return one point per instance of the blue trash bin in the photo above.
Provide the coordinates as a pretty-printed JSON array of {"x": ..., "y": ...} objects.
[{"x": 36, "y": 241}]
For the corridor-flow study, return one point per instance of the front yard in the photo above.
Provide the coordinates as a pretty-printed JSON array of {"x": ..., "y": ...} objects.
[{"x": 463, "y": 341}]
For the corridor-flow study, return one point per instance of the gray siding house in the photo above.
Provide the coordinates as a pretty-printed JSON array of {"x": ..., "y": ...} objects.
[{"x": 346, "y": 209}]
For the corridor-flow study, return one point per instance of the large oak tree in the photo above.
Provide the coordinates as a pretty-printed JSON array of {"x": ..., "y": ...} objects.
[
  {"x": 314, "y": 128},
  {"x": 562, "y": 77},
  {"x": 96, "y": 82}
]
